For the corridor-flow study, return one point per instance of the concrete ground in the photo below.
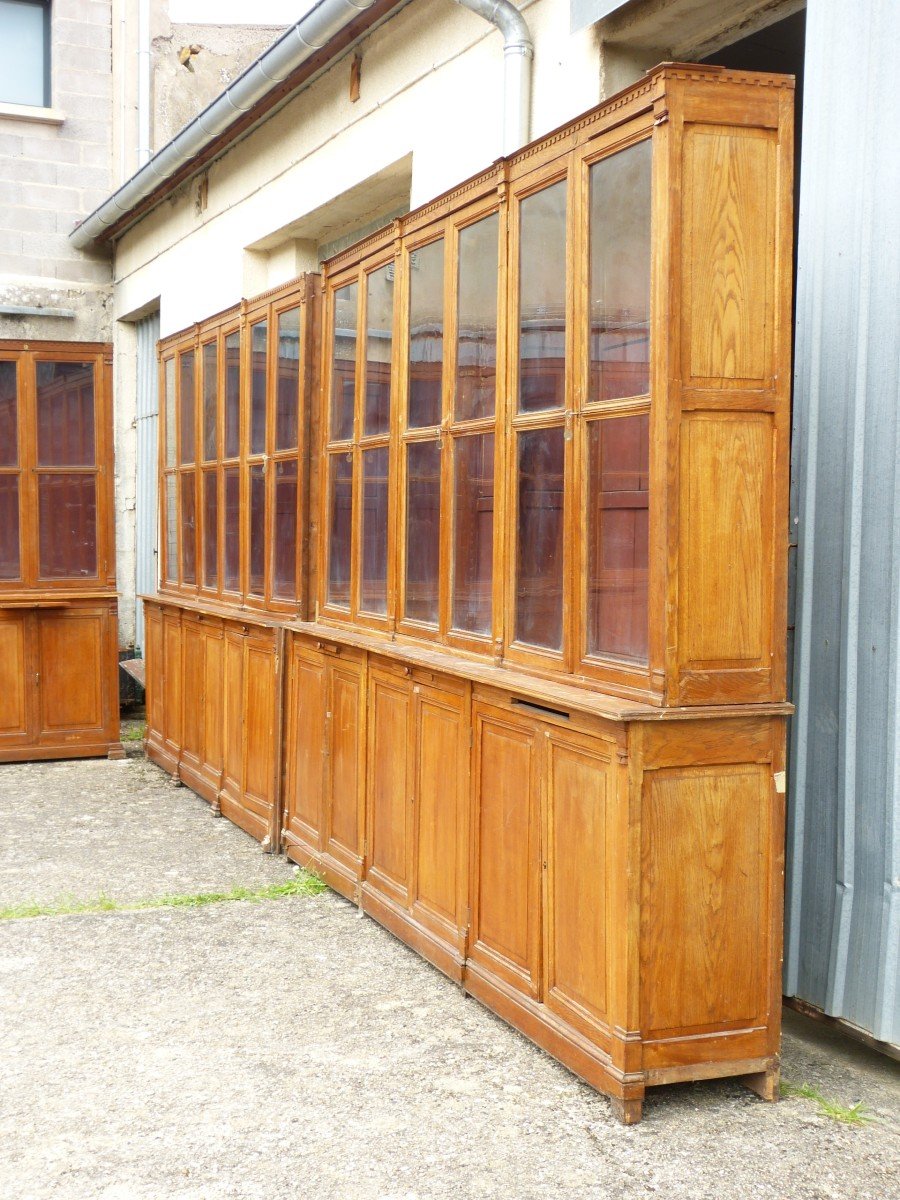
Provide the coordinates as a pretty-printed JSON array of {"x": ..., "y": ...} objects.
[{"x": 288, "y": 1048}]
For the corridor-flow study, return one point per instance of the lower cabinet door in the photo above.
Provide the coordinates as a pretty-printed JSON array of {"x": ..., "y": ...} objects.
[
  {"x": 17, "y": 681},
  {"x": 258, "y": 798},
  {"x": 389, "y": 785},
  {"x": 305, "y": 752},
  {"x": 506, "y": 926},
  {"x": 75, "y": 707},
  {"x": 233, "y": 714},
  {"x": 345, "y": 743},
  {"x": 172, "y": 677},
  {"x": 153, "y": 659},
  {"x": 192, "y": 698},
  {"x": 213, "y": 707}
]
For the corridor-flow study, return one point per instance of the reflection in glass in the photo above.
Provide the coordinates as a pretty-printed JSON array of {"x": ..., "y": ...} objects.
[
  {"x": 188, "y": 528},
  {"x": 539, "y": 559},
  {"x": 170, "y": 411},
  {"x": 426, "y": 334},
  {"x": 542, "y": 299},
  {"x": 618, "y": 478},
  {"x": 257, "y": 578},
  {"x": 232, "y": 395},
  {"x": 473, "y": 537},
  {"x": 284, "y": 542},
  {"x": 210, "y": 397},
  {"x": 9, "y": 527},
  {"x": 210, "y": 529},
  {"x": 379, "y": 323},
  {"x": 423, "y": 509},
  {"x": 65, "y": 414},
  {"x": 340, "y": 505},
  {"x": 259, "y": 334},
  {"x": 620, "y": 274},
  {"x": 373, "y": 596},
  {"x": 9, "y": 438},
  {"x": 287, "y": 396},
  {"x": 188, "y": 406},
  {"x": 343, "y": 382},
  {"x": 476, "y": 335},
  {"x": 231, "y": 550},
  {"x": 171, "y": 529},
  {"x": 67, "y": 526}
]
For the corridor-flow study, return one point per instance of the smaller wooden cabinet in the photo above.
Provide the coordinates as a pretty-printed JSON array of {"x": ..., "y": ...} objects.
[
  {"x": 325, "y": 765},
  {"x": 58, "y": 679}
]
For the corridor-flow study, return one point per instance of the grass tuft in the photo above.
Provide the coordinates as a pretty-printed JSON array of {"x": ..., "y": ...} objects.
[
  {"x": 856, "y": 1114},
  {"x": 305, "y": 884}
]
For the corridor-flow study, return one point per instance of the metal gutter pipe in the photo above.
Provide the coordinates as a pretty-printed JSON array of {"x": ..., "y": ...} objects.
[
  {"x": 143, "y": 104},
  {"x": 290, "y": 51},
  {"x": 518, "y": 55}
]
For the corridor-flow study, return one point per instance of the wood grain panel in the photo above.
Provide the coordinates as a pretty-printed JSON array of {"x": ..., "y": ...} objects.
[
  {"x": 13, "y": 678},
  {"x": 172, "y": 680},
  {"x": 507, "y": 852},
  {"x": 344, "y": 740},
  {"x": 728, "y": 290},
  {"x": 213, "y": 700},
  {"x": 576, "y": 782},
  {"x": 70, "y": 665},
  {"x": 441, "y": 792},
  {"x": 153, "y": 656},
  {"x": 192, "y": 698},
  {"x": 304, "y": 793},
  {"x": 389, "y": 784},
  {"x": 704, "y": 923},
  {"x": 234, "y": 712},
  {"x": 259, "y": 720},
  {"x": 724, "y": 576}
]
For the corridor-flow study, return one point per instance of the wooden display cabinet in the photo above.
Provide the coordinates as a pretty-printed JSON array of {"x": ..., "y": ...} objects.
[{"x": 58, "y": 602}]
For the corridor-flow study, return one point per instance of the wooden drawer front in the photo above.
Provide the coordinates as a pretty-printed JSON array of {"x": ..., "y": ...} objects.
[
  {"x": 390, "y": 785},
  {"x": 345, "y": 742},
  {"x": 15, "y": 678},
  {"x": 507, "y": 863},
  {"x": 71, "y": 661},
  {"x": 579, "y": 782},
  {"x": 440, "y": 836},
  {"x": 305, "y": 749}
]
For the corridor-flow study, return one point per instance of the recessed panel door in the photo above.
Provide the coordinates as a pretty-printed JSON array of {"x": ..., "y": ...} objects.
[
  {"x": 15, "y": 679},
  {"x": 507, "y": 863},
  {"x": 172, "y": 681},
  {"x": 70, "y": 669},
  {"x": 306, "y": 751},
  {"x": 233, "y": 715},
  {"x": 192, "y": 634},
  {"x": 345, "y": 740},
  {"x": 213, "y": 703},
  {"x": 390, "y": 785},
  {"x": 259, "y": 725}
]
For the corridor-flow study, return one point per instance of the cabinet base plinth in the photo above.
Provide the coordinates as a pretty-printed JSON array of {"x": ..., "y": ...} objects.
[
  {"x": 626, "y": 1112},
  {"x": 764, "y": 1083}
]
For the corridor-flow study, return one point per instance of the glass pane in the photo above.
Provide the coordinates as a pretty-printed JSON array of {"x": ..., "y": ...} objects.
[
  {"x": 287, "y": 398},
  {"x": 476, "y": 346},
  {"x": 171, "y": 517},
  {"x": 210, "y": 399},
  {"x": 340, "y": 504},
  {"x": 284, "y": 548},
  {"x": 539, "y": 561},
  {"x": 426, "y": 334},
  {"x": 22, "y": 54},
  {"x": 379, "y": 326},
  {"x": 473, "y": 540},
  {"x": 259, "y": 334},
  {"x": 542, "y": 299},
  {"x": 65, "y": 414},
  {"x": 170, "y": 412},
  {"x": 9, "y": 423},
  {"x": 9, "y": 527},
  {"x": 210, "y": 529},
  {"x": 67, "y": 521},
  {"x": 257, "y": 580},
  {"x": 343, "y": 383},
  {"x": 618, "y": 477},
  {"x": 232, "y": 395},
  {"x": 373, "y": 596},
  {"x": 620, "y": 274},
  {"x": 187, "y": 404},
  {"x": 423, "y": 510},
  {"x": 188, "y": 528},
  {"x": 231, "y": 550}
]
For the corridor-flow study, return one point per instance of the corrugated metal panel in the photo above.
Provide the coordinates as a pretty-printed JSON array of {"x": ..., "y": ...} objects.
[
  {"x": 146, "y": 507},
  {"x": 843, "y": 899}
]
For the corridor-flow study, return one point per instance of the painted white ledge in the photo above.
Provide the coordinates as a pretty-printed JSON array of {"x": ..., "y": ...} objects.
[{"x": 31, "y": 112}]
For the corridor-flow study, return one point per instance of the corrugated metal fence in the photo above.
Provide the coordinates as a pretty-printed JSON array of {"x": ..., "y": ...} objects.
[
  {"x": 146, "y": 510},
  {"x": 843, "y": 898}
]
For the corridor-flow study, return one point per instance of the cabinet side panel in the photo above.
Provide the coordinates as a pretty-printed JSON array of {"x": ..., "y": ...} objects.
[{"x": 704, "y": 903}]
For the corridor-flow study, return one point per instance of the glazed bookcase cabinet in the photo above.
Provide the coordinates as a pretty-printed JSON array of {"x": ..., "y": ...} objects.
[
  {"x": 59, "y": 695},
  {"x": 504, "y": 660}
]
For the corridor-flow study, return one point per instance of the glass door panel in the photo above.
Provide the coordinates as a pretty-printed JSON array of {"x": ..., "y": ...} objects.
[
  {"x": 423, "y": 507},
  {"x": 10, "y": 543},
  {"x": 67, "y": 523},
  {"x": 373, "y": 594},
  {"x": 65, "y": 414},
  {"x": 539, "y": 538},
  {"x": 476, "y": 327},
  {"x": 284, "y": 542},
  {"x": 287, "y": 393},
  {"x": 426, "y": 334},
  {"x": 542, "y": 299},
  {"x": 379, "y": 341},
  {"x": 473, "y": 536}
]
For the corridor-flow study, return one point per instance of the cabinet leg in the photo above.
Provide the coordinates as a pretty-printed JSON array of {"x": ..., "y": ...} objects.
[
  {"x": 764, "y": 1083},
  {"x": 626, "y": 1112},
  {"x": 116, "y": 752}
]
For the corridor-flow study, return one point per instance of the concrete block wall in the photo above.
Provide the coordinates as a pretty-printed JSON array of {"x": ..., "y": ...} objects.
[{"x": 55, "y": 168}]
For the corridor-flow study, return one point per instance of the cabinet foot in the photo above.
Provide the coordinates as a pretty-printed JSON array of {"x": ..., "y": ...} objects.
[
  {"x": 626, "y": 1112},
  {"x": 764, "y": 1083},
  {"x": 116, "y": 752}
]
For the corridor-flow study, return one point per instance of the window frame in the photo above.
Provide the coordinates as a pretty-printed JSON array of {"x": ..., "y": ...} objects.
[{"x": 47, "y": 56}]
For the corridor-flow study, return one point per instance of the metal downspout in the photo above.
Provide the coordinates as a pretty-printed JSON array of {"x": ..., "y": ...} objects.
[{"x": 518, "y": 55}]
